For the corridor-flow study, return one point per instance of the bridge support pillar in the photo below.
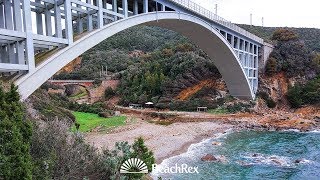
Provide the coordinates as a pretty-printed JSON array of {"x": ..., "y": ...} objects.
[
  {"x": 145, "y": 6},
  {"x": 135, "y": 7},
  {"x": 115, "y": 8},
  {"x": 68, "y": 21},
  {"x": 79, "y": 22},
  {"x": 29, "y": 37},
  {"x": 39, "y": 21},
  {"x": 89, "y": 18},
  {"x": 1, "y": 16},
  {"x": 163, "y": 7},
  {"x": 125, "y": 8},
  {"x": 100, "y": 14},
  {"x": 57, "y": 18},
  {"x": 48, "y": 21}
]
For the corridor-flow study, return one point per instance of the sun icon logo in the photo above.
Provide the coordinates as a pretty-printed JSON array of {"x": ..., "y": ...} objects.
[{"x": 134, "y": 165}]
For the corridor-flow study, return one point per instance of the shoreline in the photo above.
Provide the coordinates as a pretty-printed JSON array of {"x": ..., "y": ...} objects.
[
  {"x": 174, "y": 139},
  {"x": 164, "y": 141}
]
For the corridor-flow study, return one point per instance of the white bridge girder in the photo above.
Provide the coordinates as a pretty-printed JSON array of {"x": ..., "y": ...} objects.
[{"x": 28, "y": 27}]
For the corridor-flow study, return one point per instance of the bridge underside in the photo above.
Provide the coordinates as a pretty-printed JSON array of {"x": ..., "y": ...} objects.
[{"x": 201, "y": 33}]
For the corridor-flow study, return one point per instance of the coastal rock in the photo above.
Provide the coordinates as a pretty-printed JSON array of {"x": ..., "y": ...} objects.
[
  {"x": 215, "y": 143},
  {"x": 208, "y": 157},
  {"x": 301, "y": 161},
  {"x": 255, "y": 155}
]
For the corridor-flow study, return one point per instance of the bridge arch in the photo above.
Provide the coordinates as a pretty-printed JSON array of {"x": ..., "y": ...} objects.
[{"x": 196, "y": 29}]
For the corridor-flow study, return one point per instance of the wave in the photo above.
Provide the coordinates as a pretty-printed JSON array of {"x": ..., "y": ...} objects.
[{"x": 275, "y": 160}]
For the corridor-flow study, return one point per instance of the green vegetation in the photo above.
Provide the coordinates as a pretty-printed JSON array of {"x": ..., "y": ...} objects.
[
  {"x": 108, "y": 93},
  {"x": 290, "y": 56},
  {"x": 310, "y": 36},
  {"x": 59, "y": 154},
  {"x": 89, "y": 121},
  {"x": 141, "y": 151},
  {"x": 15, "y": 137},
  {"x": 270, "y": 102},
  {"x": 309, "y": 93},
  {"x": 219, "y": 110}
]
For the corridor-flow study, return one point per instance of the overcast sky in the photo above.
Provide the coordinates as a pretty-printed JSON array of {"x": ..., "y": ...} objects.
[{"x": 290, "y": 13}]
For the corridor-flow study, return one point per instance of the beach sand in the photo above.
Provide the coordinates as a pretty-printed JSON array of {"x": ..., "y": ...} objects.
[{"x": 164, "y": 141}]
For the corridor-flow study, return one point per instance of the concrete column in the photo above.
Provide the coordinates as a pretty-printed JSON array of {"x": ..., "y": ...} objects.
[
  {"x": 48, "y": 21},
  {"x": 125, "y": 8},
  {"x": 89, "y": 18},
  {"x": 232, "y": 41},
  {"x": 104, "y": 4},
  {"x": 17, "y": 16},
  {"x": 20, "y": 53},
  {"x": 19, "y": 58},
  {"x": 115, "y": 8},
  {"x": 79, "y": 22},
  {"x": 68, "y": 21},
  {"x": 29, "y": 39},
  {"x": 58, "y": 20},
  {"x": 8, "y": 14},
  {"x": 135, "y": 7},
  {"x": 163, "y": 7},
  {"x": 39, "y": 21},
  {"x": 3, "y": 54},
  {"x": 11, "y": 54},
  {"x": 1, "y": 16},
  {"x": 145, "y": 6},
  {"x": 100, "y": 14}
]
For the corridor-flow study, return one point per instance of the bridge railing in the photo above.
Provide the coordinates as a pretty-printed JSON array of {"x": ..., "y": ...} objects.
[{"x": 214, "y": 17}]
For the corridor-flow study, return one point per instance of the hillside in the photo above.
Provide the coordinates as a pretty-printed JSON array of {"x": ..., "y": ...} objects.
[
  {"x": 161, "y": 66},
  {"x": 310, "y": 36}
]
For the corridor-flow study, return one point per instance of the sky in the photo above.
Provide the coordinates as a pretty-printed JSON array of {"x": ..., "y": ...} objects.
[{"x": 276, "y": 13}]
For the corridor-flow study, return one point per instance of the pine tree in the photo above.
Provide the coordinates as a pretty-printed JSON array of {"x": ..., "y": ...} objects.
[
  {"x": 141, "y": 151},
  {"x": 15, "y": 137}
]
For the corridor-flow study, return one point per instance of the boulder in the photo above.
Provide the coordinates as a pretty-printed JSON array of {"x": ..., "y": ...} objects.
[
  {"x": 208, "y": 157},
  {"x": 216, "y": 143}
]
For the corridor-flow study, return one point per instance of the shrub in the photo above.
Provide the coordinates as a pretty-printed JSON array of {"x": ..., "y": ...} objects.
[
  {"x": 106, "y": 114},
  {"x": 283, "y": 34},
  {"x": 238, "y": 107},
  {"x": 269, "y": 101},
  {"x": 309, "y": 93},
  {"x": 109, "y": 93}
]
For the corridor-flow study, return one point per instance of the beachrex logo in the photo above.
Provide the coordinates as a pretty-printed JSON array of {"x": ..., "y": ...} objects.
[
  {"x": 133, "y": 165},
  {"x": 184, "y": 168}
]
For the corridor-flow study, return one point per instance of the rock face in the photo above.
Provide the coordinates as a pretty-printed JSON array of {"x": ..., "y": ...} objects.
[{"x": 208, "y": 157}]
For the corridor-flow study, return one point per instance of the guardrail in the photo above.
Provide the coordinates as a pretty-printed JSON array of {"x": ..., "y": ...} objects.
[{"x": 196, "y": 8}]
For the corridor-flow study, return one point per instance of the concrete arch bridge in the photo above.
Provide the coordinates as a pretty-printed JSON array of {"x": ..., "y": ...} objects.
[{"x": 39, "y": 37}]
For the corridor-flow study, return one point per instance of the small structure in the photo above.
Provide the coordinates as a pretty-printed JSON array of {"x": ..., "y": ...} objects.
[
  {"x": 202, "y": 109},
  {"x": 135, "y": 106},
  {"x": 149, "y": 105}
]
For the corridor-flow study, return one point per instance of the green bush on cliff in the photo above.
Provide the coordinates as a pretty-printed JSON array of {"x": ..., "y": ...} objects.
[
  {"x": 309, "y": 93},
  {"x": 290, "y": 56}
]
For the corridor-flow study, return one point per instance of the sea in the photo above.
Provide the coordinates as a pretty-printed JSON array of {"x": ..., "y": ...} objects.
[{"x": 248, "y": 154}]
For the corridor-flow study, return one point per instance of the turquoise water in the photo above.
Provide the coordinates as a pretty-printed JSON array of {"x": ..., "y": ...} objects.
[{"x": 252, "y": 155}]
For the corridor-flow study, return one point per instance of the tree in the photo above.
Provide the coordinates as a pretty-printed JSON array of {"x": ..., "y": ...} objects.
[
  {"x": 283, "y": 34},
  {"x": 290, "y": 56},
  {"x": 271, "y": 67},
  {"x": 15, "y": 137},
  {"x": 141, "y": 151}
]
